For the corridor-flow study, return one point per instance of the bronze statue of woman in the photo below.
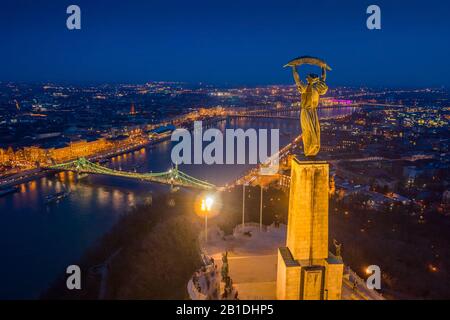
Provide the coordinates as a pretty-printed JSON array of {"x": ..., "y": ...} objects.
[{"x": 309, "y": 120}]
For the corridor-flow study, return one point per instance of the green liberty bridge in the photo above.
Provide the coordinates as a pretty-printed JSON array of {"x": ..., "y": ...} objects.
[{"x": 173, "y": 177}]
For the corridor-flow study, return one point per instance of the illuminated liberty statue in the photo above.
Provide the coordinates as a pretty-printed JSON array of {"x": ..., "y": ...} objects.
[{"x": 310, "y": 94}]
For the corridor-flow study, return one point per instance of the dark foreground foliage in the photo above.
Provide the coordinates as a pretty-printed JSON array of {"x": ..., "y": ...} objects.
[{"x": 157, "y": 252}]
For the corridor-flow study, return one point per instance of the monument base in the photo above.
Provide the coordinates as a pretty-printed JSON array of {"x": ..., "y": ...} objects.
[{"x": 305, "y": 280}]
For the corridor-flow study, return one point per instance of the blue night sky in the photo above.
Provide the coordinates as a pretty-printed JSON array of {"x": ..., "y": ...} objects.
[{"x": 224, "y": 42}]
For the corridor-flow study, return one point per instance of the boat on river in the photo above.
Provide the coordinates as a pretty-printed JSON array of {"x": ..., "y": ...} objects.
[
  {"x": 6, "y": 191},
  {"x": 56, "y": 197}
]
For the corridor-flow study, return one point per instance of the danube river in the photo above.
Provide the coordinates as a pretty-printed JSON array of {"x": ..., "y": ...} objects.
[{"x": 38, "y": 240}]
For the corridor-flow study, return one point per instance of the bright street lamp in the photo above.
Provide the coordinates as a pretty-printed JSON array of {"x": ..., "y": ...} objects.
[{"x": 206, "y": 206}]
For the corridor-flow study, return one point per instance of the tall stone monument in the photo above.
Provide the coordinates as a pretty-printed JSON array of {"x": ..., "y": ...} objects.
[{"x": 306, "y": 270}]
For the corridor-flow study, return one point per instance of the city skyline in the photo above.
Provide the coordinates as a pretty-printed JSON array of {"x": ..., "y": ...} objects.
[
  {"x": 102, "y": 150},
  {"x": 237, "y": 44},
  {"x": 158, "y": 150}
]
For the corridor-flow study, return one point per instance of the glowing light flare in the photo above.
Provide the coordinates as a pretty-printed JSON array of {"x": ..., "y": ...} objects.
[
  {"x": 207, "y": 204},
  {"x": 432, "y": 268}
]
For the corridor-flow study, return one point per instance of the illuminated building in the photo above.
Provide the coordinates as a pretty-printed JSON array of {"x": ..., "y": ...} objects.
[
  {"x": 32, "y": 156},
  {"x": 328, "y": 102}
]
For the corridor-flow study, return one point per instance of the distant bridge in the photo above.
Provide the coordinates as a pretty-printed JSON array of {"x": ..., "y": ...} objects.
[
  {"x": 266, "y": 116},
  {"x": 412, "y": 158},
  {"x": 172, "y": 177},
  {"x": 272, "y": 116},
  {"x": 283, "y": 113}
]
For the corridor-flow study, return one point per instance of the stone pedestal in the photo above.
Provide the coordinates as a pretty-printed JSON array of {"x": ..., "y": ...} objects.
[{"x": 306, "y": 270}]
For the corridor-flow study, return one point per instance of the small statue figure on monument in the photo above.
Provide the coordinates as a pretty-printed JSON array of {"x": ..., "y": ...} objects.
[
  {"x": 338, "y": 247},
  {"x": 310, "y": 95},
  {"x": 276, "y": 220},
  {"x": 224, "y": 270}
]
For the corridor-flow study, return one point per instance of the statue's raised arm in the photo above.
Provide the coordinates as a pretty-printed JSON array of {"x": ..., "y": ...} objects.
[
  {"x": 301, "y": 87},
  {"x": 322, "y": 87},
  {"x": 324, "y": 74}
]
